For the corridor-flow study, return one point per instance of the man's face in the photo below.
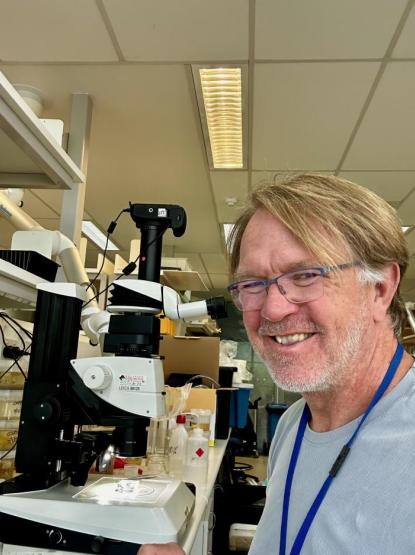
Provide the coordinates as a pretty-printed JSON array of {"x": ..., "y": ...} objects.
[{"x": 310, "y": 346}]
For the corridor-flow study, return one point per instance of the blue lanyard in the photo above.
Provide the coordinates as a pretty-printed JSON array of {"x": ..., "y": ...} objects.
[{"x": 299, "y": 540}]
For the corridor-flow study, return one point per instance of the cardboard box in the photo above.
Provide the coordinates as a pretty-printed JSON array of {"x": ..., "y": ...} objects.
[{"x": 190, "y": 355}]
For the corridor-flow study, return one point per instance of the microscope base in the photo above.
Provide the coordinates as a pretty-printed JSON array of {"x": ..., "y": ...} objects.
[{"x": 107, "y": 514}]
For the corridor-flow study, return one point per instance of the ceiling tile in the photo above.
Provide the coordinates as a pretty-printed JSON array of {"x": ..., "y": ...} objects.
[
  {"x": 406, "y": 211},
  {"x": 49, "y": 223},
  {"x": 324, "y": 29},
  {"x": 299, "y": 121},
  {"x": 410, "y": 239},
  {"x": 183, "y": 30},
  {"x": 384, "y": 140},
  {"x": 145, "y": 145},
  {"x": 258, "y": 177},
  {"x": 405, "y": 47},
  {"x": 262, "y": 177},
  {"x": 410, "y": 272},
  {"x": 13, "y": 159},
  {"x": 6, "y": 232},
  {"x": 215, "y": 263},
  {"x": 194, "y": 260},
  {"x": 392, "y": 186},
  {"x": 206, "y": 279},
  {"x": 408, "y": 289},
  {"x": 53, "y": 31},
  {"x": 42, "y": 204},
  {"x": 230, "y": 190},
  {"x": 219, "y": 281}
]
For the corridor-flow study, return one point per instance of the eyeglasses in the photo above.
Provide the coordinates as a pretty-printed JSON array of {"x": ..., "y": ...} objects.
[{"x": 299, "y": 286}]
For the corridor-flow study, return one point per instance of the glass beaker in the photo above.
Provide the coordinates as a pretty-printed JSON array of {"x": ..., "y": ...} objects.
[{"x": 158, "y": 446}]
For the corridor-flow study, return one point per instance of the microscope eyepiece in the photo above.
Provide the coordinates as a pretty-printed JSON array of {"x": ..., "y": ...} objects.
[{"x": 216, "y": 307}]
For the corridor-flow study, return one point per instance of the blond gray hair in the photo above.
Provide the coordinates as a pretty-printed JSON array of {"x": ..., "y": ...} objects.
[{"x": 325, "y": 211}]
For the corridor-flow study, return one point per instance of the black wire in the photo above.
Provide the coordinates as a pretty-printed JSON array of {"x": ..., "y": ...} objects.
[
  {"x": 10, "y": 322},
  {"x": 110, "y": 230},
  {"x": 8, "y": 370},
  {"x": 15, "y": 331},
  {"x": 9, "y": 451},
  {"x": 16, "y": 361},
  {"x": 100, "y": 292},
  {"x": 5, "y": 315},
  {"x": 2, "y": 336},
  {"x": 156, "y": 238}
]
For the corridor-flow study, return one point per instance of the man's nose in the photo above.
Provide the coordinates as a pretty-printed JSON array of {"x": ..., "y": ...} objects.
[{"x": 276, "y": 306}]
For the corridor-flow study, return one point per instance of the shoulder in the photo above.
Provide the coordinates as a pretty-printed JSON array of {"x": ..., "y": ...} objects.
[{"x": 288, "y": 420}]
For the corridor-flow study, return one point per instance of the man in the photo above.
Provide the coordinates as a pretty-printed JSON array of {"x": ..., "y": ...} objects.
[{"x": 317, "y": 262}]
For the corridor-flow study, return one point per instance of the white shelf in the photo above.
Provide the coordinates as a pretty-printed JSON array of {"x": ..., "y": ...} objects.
[
  {"x": 30, "y": 157},
  {"x": 17, "y": 286},
  {"x": 182, "y": 280}
]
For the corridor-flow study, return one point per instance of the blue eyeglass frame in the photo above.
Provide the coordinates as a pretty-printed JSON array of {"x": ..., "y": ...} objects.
[{"x": 266, "y": 283}]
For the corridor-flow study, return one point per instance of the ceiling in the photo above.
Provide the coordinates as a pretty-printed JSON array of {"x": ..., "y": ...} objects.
[{"x": 331, "y": 89}]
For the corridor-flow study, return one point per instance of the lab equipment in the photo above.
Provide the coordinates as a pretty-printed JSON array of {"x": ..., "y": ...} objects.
[
  {"x": 177, "y": 447},
  {"x": 63, "y": 393},
  {"x": 197, "y": 450}
]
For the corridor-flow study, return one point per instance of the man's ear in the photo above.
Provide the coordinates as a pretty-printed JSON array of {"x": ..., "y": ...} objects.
[{"x": 385, "y": 291}]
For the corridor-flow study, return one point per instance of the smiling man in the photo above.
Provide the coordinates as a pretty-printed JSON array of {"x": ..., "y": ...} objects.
[{"x": 317, "y": 263}]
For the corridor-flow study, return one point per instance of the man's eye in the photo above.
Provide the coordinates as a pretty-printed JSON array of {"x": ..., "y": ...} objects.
[
  {"x": 251, "y": 287},
  {"x": 302, "y": 278}
]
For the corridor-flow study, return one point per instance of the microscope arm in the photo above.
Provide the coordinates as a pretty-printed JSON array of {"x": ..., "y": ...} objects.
[{"x": 93, "y": 320}]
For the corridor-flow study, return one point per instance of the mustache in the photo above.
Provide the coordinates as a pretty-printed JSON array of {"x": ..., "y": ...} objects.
[{"x": 267, "y": 327}]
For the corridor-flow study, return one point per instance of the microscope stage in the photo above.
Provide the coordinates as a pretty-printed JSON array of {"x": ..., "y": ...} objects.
[{"x": 132, "y": 510}]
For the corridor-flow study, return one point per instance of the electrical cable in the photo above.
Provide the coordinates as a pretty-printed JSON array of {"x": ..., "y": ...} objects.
[
  {"x": 8, "y": 317},
  {"x": 15, "y": 361},
  {"x": 8, "y": 451},
  {"x": 110, "y": 230},
  {"x": 15, "y": 331},
  {"x": 108, "y": 286},
  {"x": 11, "y": 349}
]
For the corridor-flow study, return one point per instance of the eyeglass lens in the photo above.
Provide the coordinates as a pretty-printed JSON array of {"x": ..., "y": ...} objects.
[{"x": 297, "y": 287}]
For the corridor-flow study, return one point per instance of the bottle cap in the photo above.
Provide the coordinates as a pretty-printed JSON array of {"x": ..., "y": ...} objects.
[{"x": 181, "y": 419}]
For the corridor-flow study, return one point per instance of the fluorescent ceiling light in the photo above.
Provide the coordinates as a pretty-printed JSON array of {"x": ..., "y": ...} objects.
[
  {"x": 92, "y": 232},
  {"x": 227, "y": 228},
  {"x": 222, "y": 105}
]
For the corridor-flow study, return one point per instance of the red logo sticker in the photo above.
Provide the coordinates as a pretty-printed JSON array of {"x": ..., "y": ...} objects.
[{"x": 200, "y": 452}]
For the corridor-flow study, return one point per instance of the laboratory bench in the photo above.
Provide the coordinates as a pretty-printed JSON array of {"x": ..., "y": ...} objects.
[
  {"x": 198, "y": 536},
  {"x": 222, "y": 502}
]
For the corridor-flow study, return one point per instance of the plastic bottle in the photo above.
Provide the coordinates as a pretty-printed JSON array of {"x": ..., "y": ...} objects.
[
  {"x": 177, "y": 447},
  {"x": 197, "y": 451}
]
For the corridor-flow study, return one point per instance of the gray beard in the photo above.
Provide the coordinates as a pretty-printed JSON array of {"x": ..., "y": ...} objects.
[{"x": 337, "y": 367}]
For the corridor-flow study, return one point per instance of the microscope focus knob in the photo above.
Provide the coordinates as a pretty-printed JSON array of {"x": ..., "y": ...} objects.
[
  {"x": 55, "y": 536},
  {"x": 97, "y": 377},
  {"x": 47, "y": 411}
]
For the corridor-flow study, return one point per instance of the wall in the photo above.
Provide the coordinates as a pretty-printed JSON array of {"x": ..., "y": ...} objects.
[{"x": 233, "y": 328}]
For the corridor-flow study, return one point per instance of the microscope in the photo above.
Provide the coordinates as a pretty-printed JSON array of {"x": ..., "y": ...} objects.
[{"x": 54, "y": 503}]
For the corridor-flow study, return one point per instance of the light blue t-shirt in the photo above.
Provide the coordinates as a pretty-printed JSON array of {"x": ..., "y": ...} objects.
[{"x": 370, "y": 506}]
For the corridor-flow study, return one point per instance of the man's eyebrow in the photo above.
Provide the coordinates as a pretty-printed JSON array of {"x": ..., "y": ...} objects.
[
  {"x": 292, "y": 267},
  {"x": 302, "y": 265}
]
